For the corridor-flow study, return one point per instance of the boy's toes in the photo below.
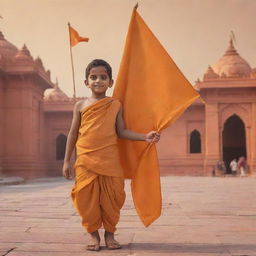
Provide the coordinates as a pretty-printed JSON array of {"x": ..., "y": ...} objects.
[
  {"x": 113, "y": 246},
  {"x": 93, "y": 247}
]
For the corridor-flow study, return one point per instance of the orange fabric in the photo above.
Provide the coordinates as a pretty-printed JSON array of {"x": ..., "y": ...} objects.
[
  {"x": 99, "y": 202},
  {"x": 98, "y": 193},
  {"x": 154, "y": 93},
  {"x": 96, "y": 146},
  {"x": 75, "y": 38}
]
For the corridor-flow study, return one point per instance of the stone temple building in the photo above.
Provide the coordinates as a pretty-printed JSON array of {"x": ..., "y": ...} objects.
[
  {"x": 222, "y": 129},
  {"x": 33, "y": 129},
  {"x": 35, "y": 116}
]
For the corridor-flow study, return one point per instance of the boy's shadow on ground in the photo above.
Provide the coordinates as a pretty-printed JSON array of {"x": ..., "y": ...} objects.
[{"x": 188, "y": 248}]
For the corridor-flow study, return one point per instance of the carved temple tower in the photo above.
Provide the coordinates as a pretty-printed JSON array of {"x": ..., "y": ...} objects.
[
  {"x": 23, "y": 81},
  {"x": 222, "y": 129},
  {"x": 229, "y": 89}
]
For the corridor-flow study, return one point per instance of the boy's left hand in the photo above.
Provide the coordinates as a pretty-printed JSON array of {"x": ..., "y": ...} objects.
[{"x": 152, "y": 136}]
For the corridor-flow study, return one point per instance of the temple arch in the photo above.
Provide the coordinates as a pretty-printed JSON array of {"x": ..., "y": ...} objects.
[
  {"x": 240, "y": 110},
  {"x": 233, "y": 139},
  {"x": 61, "y": 141},
  {"x": 195, "y": 142}
]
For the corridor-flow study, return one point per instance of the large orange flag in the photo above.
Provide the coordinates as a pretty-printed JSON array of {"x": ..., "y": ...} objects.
[
  {"x": 75, "y": 38},
  {"x": 154, "y": 93}
]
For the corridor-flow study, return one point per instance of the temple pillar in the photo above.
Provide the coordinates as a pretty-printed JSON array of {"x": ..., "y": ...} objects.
[
  {"x": 212, "y": 137},
  {"x": 23, "y": 127},
  {"x": 252, "y": 162},
  {"x": 1, "y": 124}
]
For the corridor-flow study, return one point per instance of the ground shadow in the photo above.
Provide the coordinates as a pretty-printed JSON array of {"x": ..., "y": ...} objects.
[{"x": 190, "y": 248}]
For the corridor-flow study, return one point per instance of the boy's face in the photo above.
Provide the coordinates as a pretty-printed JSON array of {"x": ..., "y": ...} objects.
[{"x": 98, "y": 80}]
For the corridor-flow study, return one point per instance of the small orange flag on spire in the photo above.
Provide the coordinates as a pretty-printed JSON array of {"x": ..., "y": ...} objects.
[
  {"x": 75, "y": 38},
  {"x": 154, "y": 93}
]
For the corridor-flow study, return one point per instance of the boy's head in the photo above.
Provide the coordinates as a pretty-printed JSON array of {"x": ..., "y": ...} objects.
[
  {"x": 98, "y": 75},
  {"x": 98, "y": 63}
]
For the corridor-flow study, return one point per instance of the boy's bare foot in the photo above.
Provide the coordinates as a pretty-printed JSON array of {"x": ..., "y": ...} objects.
[
  {"x": 94, "y": 242},
  {"x": 110, "y": 241}
]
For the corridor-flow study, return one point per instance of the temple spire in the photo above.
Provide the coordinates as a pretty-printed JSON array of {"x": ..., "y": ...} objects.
[
  {"x": 56, "y": 85},
  {"x": 25, "y": 50},
  {"x": 232, "y": 38},
  {"x": 1, "y": 34},
  {"x": 231, "y": 49}
]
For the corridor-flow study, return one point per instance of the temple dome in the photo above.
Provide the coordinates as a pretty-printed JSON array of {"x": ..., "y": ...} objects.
[
  {"x": 55, "y": 94},
  {"x": 7, "y": 50},
  {"x": 231, "y": 64}
]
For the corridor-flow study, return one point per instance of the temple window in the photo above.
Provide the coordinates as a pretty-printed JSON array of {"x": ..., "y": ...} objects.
[
  {"x": 61, "y": 141},
  {"x": 195, "y": 142}
]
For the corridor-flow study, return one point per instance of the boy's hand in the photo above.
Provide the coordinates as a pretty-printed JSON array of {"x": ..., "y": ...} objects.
[
  {"x": 66, "y": 171},
  {"x": 152, "y": 136}
]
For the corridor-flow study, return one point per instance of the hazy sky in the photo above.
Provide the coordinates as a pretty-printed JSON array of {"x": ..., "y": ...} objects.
[{"x": 194, "y": 32}]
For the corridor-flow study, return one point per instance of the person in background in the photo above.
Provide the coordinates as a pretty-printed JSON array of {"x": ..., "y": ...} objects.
[
  {"x": 242, "y": 166},
  {"x": 220, "y": 168},
  {"x": 233, "y": 166}
]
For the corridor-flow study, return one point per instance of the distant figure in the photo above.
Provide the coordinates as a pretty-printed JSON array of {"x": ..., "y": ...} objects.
[
  {"x": 233, "y": 166},
  {"x": 219, "y": 169},
  {"x": 241, "y": 166}
]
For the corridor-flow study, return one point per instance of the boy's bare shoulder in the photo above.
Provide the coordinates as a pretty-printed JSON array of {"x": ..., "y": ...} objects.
[{"x": 79, "y": 105}]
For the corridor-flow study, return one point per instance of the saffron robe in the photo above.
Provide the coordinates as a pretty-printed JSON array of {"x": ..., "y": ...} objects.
[{"x": 98, "y": 193}]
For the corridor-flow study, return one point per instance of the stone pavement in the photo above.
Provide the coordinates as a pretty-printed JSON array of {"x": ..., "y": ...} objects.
[
  {"x": 11, "y": 180},
  {"x": 201, "y": 216}
]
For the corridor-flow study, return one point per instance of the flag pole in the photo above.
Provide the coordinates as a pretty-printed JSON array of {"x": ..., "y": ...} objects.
[{"x": 72, "y": 64}]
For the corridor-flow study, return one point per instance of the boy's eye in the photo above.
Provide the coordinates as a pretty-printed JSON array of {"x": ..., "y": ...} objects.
[
  {"x": 103, "y": 77},
  {"x": 93, "y": 77}
]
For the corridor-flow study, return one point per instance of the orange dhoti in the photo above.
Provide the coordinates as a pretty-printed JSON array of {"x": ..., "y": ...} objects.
[{"x": 98, "y": 193}]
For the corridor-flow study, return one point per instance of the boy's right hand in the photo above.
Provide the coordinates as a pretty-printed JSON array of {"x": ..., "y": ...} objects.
[{"x": 66, "y": 171}]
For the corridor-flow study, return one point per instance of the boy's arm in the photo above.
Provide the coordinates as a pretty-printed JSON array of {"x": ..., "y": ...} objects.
[
  {"x": 71, "y": 141},
  {"x": 124, "y": 133}
]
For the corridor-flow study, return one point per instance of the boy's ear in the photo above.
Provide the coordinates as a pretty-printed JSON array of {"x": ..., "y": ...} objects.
[
  {"x": 111, "y": 83},
  {"x": 86, "y": 82}
]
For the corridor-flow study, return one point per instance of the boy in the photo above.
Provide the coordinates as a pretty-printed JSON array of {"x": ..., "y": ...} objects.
[{"x": 98, "y": 193}]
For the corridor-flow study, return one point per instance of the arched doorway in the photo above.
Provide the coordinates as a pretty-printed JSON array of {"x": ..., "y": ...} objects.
[
  {"x": 233, "y": 140},
  {"x": 195, "y": 142},
  {"x": 61, "y": 141}
]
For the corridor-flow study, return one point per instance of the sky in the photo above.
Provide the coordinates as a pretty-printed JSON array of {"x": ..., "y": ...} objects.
[{"x": 195, "y": 33}]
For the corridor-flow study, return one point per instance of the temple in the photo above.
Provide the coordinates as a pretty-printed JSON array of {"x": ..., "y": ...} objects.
[
  {"x": 222, "y": 129},
  {"x": 36, "y": 115},
  {"x": 33, "y": 127}
]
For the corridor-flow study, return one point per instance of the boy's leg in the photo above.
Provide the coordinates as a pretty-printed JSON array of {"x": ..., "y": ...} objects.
[
  {"x": 87, "y": 204},
  {"x": 94, "y": 243},
  {"x": 110, "y": 241},
  {"x": 112, "y": 198}
]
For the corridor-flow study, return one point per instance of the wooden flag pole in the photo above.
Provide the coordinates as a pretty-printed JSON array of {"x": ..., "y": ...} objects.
[{"x": 72, "y": 64}]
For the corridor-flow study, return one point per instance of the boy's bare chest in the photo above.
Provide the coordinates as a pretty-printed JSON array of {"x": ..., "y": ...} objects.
[{"x": 86, "y": 103}]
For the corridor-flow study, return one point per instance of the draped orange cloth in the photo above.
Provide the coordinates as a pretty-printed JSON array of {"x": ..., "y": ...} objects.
[
  {"x": 154, "y": 93},
  {"x": 98, "y": 193}
]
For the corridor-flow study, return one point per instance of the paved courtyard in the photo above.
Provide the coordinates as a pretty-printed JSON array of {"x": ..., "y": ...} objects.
[{"x": 201, "y": 216}]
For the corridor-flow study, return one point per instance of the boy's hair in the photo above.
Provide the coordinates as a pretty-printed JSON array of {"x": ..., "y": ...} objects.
[{"x": 98, "y": 63}]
